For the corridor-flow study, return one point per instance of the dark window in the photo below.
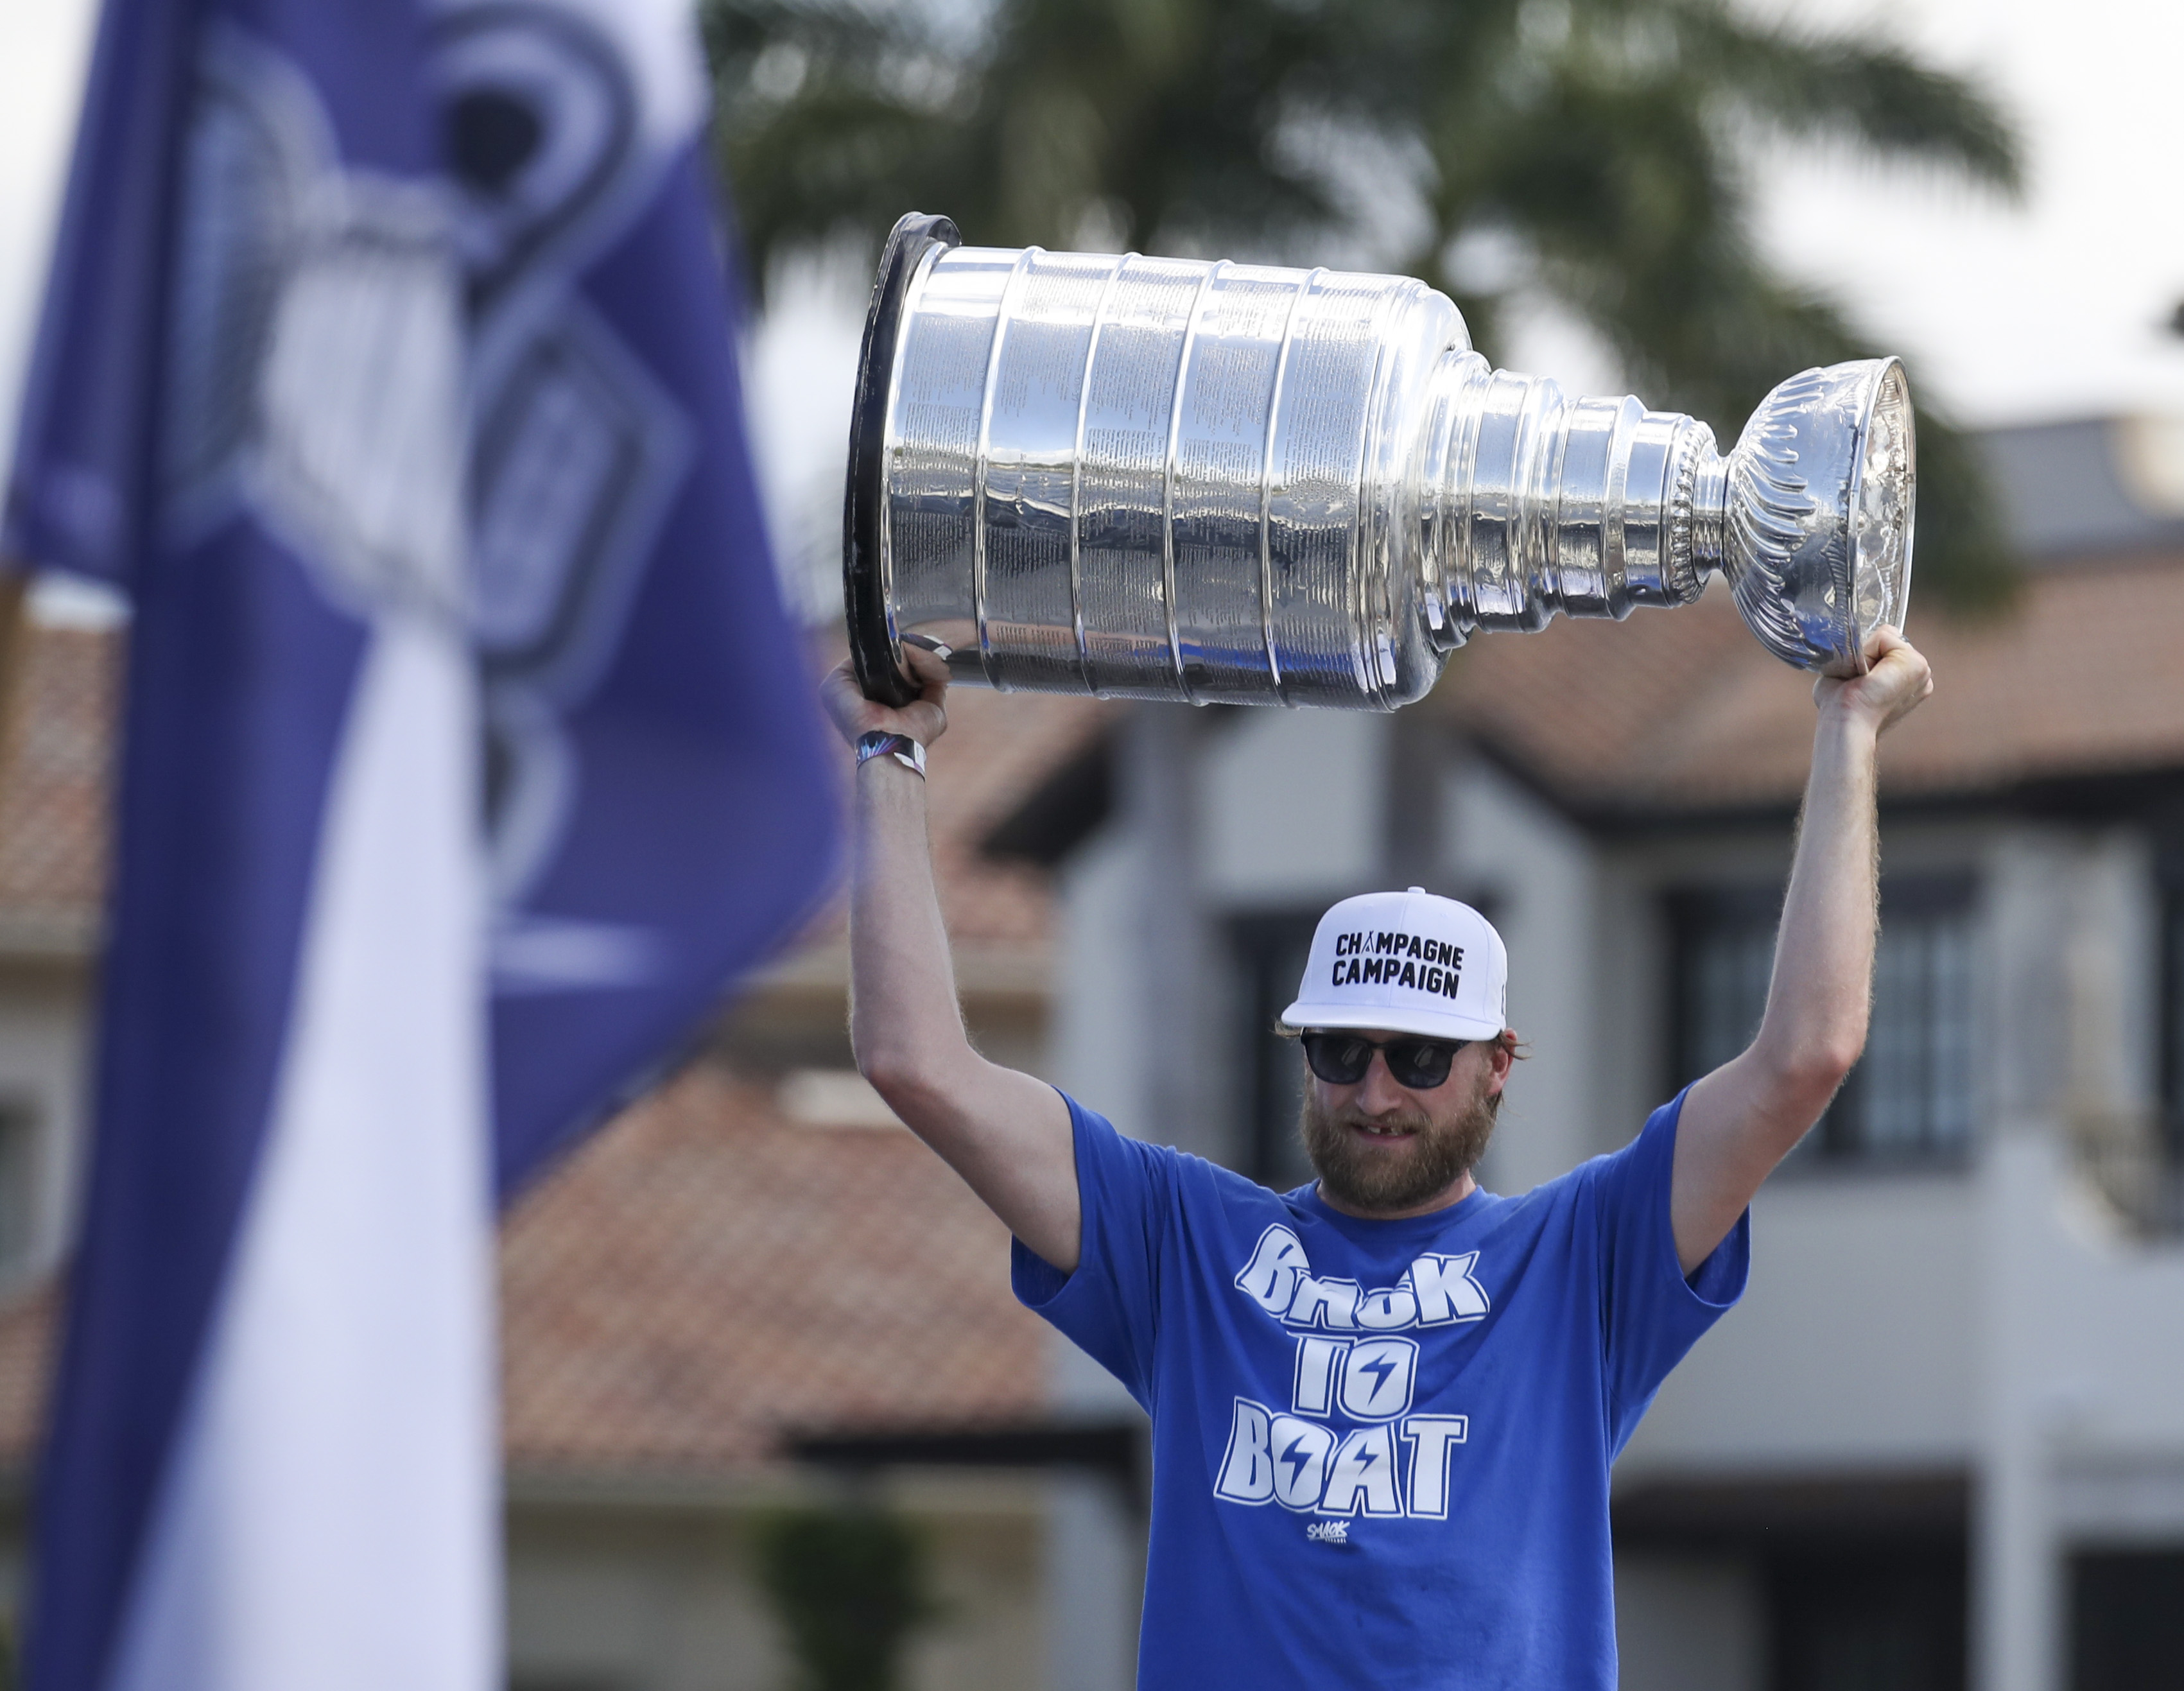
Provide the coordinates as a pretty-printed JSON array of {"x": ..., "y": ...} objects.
[
  {"x": 2126, "y": 1620},
  {"x": 1911, "y": 1095},
  {"x": 2172, "y": 1018},
  {"x": 1867, "y": 1620},
  {"x": 1270, "y": 952},
  {"x": 19, "y": 1124},
  {"x": 1723, "y": 950}
]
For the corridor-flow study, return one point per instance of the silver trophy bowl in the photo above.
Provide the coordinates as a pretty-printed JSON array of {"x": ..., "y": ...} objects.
[{"x": 1159, "y": 479}]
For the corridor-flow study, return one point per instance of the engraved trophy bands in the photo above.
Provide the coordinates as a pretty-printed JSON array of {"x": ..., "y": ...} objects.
[{"x": 1159, "y": 479}]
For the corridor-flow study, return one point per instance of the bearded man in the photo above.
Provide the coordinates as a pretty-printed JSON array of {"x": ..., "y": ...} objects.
[{"x": 1385, "y": 1404}]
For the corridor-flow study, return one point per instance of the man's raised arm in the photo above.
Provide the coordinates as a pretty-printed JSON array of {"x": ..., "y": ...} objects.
[
  {"x": 1743, "y": 1118},
  {"x": 1006, "y": 1133}
]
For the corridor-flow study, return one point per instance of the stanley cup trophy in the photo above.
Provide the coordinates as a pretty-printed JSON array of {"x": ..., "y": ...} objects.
[{"x": 1156, "y": 479}]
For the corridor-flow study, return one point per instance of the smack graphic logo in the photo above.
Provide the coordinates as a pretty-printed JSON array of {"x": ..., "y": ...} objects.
[{"x": 1328, "y": 1533}]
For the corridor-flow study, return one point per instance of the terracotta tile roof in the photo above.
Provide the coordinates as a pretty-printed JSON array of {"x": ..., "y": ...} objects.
[
  {"x": 1669, "y": 709},
  {"x": 53, "y": 790},
  {"x": 702, "y": 1277},
  {"x": 53, "y": 775},
  {"x": 703, "y": 1274},
  {"x": 997, "y": 749},
  {"x": 28, "y": 1326},
  {"x": 1682, "y": 711}
]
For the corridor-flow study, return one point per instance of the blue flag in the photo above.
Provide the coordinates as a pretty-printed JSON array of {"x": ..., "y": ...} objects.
[{"x": 387, "y": 363}]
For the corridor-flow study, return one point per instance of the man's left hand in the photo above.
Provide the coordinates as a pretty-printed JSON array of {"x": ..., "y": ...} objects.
[{"x": 1897, "y": 678}]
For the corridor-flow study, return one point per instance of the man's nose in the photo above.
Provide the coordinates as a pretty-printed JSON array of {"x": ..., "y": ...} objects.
[{"x": 1377, "y": 1091}]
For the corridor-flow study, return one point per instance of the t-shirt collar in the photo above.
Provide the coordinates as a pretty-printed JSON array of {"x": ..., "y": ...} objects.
[{"x": 1361, "y": 1229}]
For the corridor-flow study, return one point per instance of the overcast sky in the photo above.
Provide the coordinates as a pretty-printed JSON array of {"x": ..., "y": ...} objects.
[{"x": 2052, "y": 308}]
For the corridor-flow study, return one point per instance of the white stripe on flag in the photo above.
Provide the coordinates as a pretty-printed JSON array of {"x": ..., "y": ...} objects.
[{"x": 329, "y": 1519}]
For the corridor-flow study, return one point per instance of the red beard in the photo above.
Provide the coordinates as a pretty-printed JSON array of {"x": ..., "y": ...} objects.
[{"x": 1399, "y": 1175}]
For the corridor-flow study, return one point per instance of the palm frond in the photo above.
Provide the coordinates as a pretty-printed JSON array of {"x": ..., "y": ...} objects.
[
  {"x": 1872, "y": 94},
  {"x": 831, "y": 118},
  {"x": 1716, "y": 355}
]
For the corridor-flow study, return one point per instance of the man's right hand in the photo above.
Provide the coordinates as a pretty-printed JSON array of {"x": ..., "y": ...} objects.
[{"x": 924, "y": 719}]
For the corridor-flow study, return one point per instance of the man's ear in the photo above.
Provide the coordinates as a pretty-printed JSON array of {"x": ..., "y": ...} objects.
[{"x": 1501, "y": 1054}]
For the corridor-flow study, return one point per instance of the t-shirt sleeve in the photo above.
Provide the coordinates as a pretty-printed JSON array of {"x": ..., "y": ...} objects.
[
  {"x": 1652, "y": 1313},
  {"x": 1109, "y": 1304}
]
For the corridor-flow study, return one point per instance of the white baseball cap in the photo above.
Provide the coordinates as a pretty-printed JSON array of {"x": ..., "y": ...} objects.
[{"x": 1412, "y": 962}]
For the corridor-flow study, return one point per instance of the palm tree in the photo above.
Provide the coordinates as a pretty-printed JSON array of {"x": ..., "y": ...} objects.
[{"x": 1599, "y": 145}]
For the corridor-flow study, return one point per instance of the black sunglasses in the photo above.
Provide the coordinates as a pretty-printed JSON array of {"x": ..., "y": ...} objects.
[{"x": 1342, "y": 1059}]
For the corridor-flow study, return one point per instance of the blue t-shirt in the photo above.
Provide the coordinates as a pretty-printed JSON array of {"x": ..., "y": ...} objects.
[{"x": 1381, "y": 1449}]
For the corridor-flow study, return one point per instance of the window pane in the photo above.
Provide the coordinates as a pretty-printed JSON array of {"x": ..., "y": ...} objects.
[
  {"x": 1912, "y": 1094},
  {"x": 18, "y": 1192},
  {"x": 1270, "y": 952},
  {"x": 2172, "y": 1019},
  {"x": 1894, "y": 1096},
  {"x": 1952, "y": 1073},
  {"x": 1732, "y": 965},
  {"x": 1724, "y": 951}
]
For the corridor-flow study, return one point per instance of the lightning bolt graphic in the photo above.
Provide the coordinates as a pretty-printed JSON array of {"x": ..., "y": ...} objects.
[
  {"x": 1297, "y": 1453},
  {"x": 1380, "y": 1367}
]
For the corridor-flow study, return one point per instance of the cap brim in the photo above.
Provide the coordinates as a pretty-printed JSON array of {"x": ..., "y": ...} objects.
[{"x": 1429, "y": 1024}]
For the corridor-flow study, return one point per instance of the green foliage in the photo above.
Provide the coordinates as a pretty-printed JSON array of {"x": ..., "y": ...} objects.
[
  {"x": 1605, "y": 143},
  {"x": 848, "y": 1586}
]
